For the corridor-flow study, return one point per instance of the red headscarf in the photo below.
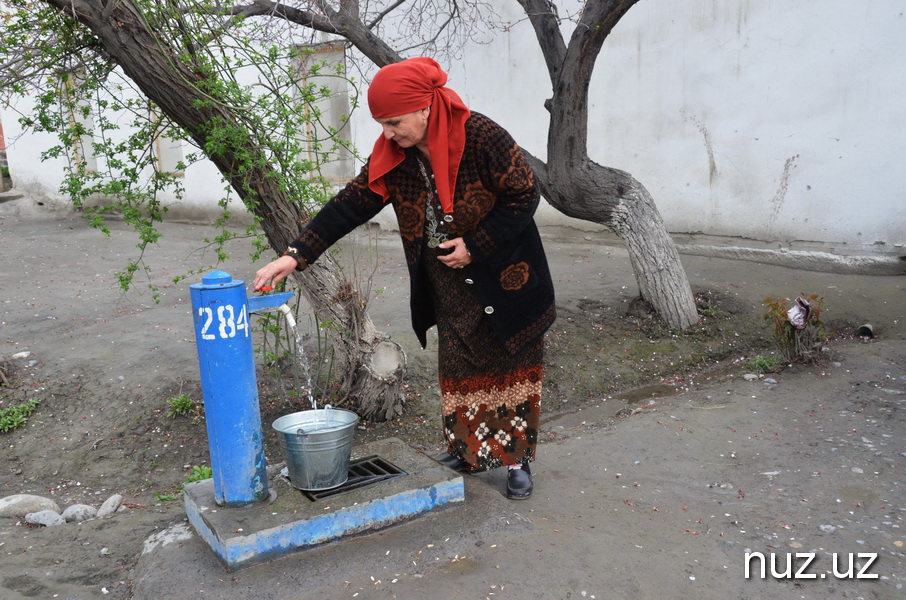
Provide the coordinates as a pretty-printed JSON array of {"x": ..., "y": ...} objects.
[{"x": 406, "y": 87}]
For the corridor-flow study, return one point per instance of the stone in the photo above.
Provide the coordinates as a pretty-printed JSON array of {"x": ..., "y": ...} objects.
[
  {"x": 177, "y": 532},
  {"x": 47, "y": 518},
  {"x": 79, "y": 513},
  {"x": 21, "y": 504},
  {"x": 109, "y": 506}
]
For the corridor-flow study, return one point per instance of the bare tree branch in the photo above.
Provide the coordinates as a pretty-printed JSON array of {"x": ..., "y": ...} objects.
[
  {"x": 377, "y": 19},
  {"x": 349, "y": 7},
  {"x": 343, "y": 22},
  {"x": 543, "y": 17},
  {"x": 432, "y": 41},
  {"x": 266, "y": 8}
]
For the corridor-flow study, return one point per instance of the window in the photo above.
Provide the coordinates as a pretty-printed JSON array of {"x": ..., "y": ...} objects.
[
  {"x": 77, "y": 112},
  {"x": 323, "y": 69},
  {"x": 167, "y": 151}
]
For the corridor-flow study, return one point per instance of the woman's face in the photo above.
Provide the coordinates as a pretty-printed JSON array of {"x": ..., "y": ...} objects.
[{"x": 408, "y": 130}]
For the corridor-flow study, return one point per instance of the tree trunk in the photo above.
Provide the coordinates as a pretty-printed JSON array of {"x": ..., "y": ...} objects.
[
  {"x": 581, "y": 188},
  {"x": 164, "y": 79},
  {"x": 613, "y": 198}
]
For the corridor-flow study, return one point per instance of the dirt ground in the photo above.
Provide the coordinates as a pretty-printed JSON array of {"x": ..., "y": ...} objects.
[{"x": 103, "y": 365}]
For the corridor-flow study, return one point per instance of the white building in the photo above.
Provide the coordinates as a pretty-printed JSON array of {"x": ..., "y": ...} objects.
[{"x": 761, "y": 124}]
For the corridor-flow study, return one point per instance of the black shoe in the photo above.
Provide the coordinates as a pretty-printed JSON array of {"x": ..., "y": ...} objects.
[
  {"x": 519, "y": 484},
  {"x": 453, "y": 462}
]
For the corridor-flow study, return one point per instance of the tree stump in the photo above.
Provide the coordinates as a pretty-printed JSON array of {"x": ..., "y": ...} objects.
[{"x": 378, "y": 394}]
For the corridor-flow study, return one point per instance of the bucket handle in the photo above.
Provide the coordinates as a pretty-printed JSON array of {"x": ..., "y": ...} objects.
[{"x": 301, "y": 431}]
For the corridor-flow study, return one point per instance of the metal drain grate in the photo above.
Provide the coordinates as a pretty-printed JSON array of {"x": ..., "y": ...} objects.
[{"x": 362, "y": 472}]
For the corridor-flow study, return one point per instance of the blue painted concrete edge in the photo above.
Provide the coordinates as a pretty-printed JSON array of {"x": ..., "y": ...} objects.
[{"x": 291, "y": 537}]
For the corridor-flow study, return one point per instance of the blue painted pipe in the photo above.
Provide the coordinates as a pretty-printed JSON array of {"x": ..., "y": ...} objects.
[
  {"x": 257, "y": 303},
  {"x": 223, "y": 336}
]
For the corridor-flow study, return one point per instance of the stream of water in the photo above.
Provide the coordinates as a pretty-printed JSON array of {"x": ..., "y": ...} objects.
[{"x": 303, "y": 367}]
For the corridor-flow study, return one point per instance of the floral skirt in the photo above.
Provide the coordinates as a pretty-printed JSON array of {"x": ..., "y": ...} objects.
[{"x": 490, "y": 399}]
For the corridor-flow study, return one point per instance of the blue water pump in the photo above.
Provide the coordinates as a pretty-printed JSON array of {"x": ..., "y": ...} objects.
[{"x": 220, "y": 310}]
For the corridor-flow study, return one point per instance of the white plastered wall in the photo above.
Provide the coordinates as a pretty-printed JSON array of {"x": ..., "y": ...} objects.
[{"x": 759, "y": 120}]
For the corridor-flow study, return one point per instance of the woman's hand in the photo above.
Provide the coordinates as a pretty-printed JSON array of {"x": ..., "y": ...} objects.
[
  {"x": 460, "y": 256},
  {"x": 274, "y": 272}
]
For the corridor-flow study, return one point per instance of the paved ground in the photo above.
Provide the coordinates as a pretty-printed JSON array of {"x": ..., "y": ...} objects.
[{"x": 665, "y": 503}]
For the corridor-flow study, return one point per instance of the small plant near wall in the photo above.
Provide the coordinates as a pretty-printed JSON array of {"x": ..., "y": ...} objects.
[
  {"x": 797, "y": 329},
  {"x": 766, "y": 364}
]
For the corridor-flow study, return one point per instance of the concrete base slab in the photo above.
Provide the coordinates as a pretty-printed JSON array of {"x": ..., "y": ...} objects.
[{"x": 290, "y": 521}]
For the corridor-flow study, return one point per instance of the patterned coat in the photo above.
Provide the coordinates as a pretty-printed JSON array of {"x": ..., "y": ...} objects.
[{"x": 493, "y": 206}]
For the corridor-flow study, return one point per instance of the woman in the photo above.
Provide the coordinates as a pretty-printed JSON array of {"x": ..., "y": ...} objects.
[{"x": 464, "y": 198}]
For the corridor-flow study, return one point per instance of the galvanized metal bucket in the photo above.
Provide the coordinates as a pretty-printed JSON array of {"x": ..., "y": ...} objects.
[{"x": 317, "y": 445}]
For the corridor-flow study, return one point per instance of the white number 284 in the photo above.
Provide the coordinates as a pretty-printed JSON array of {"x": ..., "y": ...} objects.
[{"x": 228, "y": 323}]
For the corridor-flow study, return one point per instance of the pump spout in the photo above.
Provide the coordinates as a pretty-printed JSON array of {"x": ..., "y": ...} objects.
[{"x": 287, "y": 313}]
